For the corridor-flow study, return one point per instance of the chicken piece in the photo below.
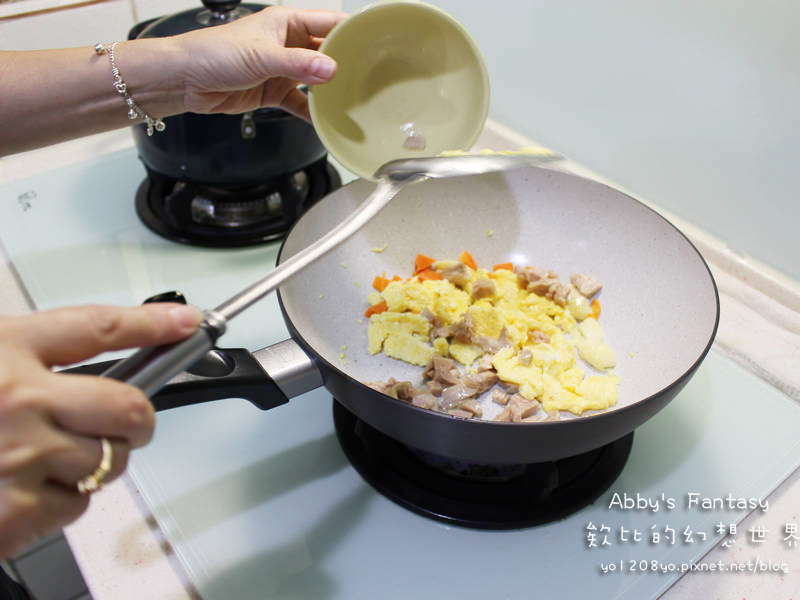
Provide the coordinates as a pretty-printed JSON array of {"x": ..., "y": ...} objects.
[
  {"x": 382, "y": 386},
  {"x": 424, "y": 400},
  {"x": 540, "y": 337},
  {"x": 586, "y": 284},
  {"x": 549, "y": 288},
  {"x": 499, "y": 397},
  {"x": 442, "y": 370},
  {"x": 524, "y": 357},
  {"x": 438, "y": 329},
  {"x": 472, "y": 406},
  {"x": 504, "y": 416},
  {"x": 484, "y": 363},
  {"x": 463, "y": 331},
  {"x": 457, "y": 412},
  {"x": 482, "y": 381},
  {"x": 402, "y": 390},
  {"x": 428, "y": 314},
  {"x": 529, "y": 275},
  {"x": 483, "y": 288},
  {"x": 453, "y": 396},
  {"x": 540, "y": 288},
  {"x": 521, "y": 407},
  {"x": 558, "y": 293},
  {"x": 455, "y": 272},
  {"x": 509, "y": 388},
  {"x": 435, "y": 387},
  {"x": 492, "y": 345},
  {"x": 543, "y": 283}
]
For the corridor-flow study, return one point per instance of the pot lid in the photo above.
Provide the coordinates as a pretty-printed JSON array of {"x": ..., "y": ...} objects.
[{"x": 213, "y": 12}]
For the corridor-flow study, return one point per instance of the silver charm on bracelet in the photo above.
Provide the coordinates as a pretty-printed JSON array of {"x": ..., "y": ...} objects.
[{"x": 134, "y": 110}]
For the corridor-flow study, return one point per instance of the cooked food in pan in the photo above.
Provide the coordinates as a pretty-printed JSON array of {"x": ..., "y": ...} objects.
[{"x": 500, "y": 345}]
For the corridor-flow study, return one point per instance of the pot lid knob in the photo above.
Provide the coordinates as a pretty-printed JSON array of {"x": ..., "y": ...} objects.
[{"x": 221, "y": 6}]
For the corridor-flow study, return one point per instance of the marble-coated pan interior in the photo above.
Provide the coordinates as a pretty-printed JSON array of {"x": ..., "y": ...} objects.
[{"x": 659, "y": 302}]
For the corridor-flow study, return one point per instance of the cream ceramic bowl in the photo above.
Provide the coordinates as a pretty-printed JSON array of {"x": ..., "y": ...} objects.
[{"x": 410, "y": 82}]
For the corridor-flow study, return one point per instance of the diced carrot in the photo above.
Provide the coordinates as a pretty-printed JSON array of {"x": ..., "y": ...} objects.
[
  {"x": 428, "y": 274},
  {"x": 595, "y": 308},
  {"x": 423, "y": 262},
  {"x": 507, "y": 266},
  {"x": 376, "y": 308},
  {"x": 467, "y": 259},
  {"x": 380, "y": 283}
]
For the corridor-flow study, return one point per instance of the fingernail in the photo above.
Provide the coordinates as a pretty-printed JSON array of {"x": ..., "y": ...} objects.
[
  {"x": 323, "y": 67},
  {"x": 188, "y": 317}
]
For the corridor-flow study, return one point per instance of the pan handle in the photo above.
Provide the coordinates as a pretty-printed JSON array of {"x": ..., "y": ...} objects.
[
  {"x": 221, "y": 373},
  {"x": 267, "y": 378}
]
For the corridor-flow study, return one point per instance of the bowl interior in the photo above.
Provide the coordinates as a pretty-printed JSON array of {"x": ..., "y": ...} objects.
[{"x": 411, "y": 82}]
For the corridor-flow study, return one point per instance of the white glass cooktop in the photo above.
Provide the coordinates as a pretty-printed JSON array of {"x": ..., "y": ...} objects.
[{"x": 265, "y": 505}]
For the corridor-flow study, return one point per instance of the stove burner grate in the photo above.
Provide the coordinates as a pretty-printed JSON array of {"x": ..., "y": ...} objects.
[
  {"x": 231, "y": 216},
  {"x": 478, "y": 496}
]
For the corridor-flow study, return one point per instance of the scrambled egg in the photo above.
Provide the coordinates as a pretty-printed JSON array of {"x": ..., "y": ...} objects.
[
  {"x": 401, "y": 335},
  {"x": 542, "y": 339}
]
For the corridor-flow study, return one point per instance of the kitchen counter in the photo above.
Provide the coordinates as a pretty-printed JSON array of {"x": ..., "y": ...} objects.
[{"x": 123, "y": 554}]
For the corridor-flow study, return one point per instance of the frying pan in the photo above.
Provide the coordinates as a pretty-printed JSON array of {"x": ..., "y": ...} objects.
[{"x": 660, "y": 307}]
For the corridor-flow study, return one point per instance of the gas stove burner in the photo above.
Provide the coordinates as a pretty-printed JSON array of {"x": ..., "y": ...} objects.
[
  {"x": 478, "y": 496},
  {"x": 231, "y": 216}
]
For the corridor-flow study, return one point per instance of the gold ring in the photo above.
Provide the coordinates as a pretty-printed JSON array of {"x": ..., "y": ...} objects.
[{"x": 92, "y": 483}]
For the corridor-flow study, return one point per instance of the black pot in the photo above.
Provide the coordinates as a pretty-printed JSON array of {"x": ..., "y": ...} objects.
[{"x": 223, "y": 150}]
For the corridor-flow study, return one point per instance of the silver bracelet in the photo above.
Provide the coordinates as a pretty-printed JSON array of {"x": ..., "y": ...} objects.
[{"x": 134, "y": 110}]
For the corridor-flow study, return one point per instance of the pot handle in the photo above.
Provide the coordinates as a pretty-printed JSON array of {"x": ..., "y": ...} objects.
[{"x": 234, "y": 373}]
